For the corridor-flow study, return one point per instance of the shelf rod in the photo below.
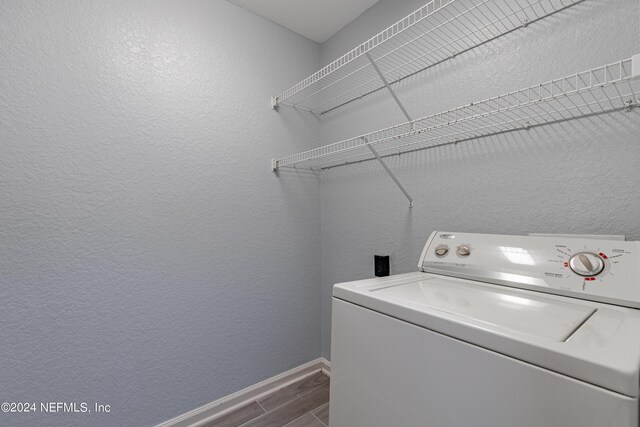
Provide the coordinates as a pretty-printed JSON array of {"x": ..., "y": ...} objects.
[
  {"x": 386, "y": 83},
  {"x": 393, "y": 177}
]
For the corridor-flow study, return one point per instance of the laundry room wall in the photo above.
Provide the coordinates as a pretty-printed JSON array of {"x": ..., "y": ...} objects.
[
  {"x": 150, "y": 260},
  {"x": 579, "y": 176}
]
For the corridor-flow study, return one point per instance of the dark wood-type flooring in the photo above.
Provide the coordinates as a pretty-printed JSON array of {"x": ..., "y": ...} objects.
[{"x": 302, "y": 404}]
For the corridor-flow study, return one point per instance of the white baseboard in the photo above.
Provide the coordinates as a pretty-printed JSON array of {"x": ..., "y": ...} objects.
[{"x": 210, "y": 411}]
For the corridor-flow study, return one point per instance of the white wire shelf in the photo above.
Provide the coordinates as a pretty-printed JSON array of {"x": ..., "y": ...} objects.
[
  {"x": 436, "y": 32},
  {"x": 596, "y": 91}
]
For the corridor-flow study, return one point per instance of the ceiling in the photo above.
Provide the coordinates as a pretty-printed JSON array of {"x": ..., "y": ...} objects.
[{"x": 314, "y": 19}]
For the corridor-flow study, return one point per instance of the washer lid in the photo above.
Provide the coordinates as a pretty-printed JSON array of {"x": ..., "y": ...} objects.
[
  {"x": 589, "y": 341},
  {"x": 497, "y": 309}
]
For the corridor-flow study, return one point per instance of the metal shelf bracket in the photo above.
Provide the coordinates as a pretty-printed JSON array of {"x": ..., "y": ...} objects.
[
  {"x": 393, "y": 177},
  {"x": 386, "y": 83},
  {"x": 406, "y": 114}
]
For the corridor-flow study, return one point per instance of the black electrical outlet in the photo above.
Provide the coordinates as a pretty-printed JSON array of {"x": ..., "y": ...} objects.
[{"x": 381, "y": 265}]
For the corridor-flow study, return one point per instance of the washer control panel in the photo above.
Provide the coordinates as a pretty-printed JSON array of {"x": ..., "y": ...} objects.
[{"x": 589, "y": 268}]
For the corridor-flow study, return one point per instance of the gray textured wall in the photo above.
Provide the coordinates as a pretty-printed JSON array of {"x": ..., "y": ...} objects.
[
  {"x": 577, "y": 177},
  {"x": 149, "y": 259}
]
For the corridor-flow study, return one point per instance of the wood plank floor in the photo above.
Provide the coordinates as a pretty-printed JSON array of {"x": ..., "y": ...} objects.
[{"x": 302, "y": 404}]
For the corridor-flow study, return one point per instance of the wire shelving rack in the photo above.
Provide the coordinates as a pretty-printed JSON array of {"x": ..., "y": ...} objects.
[
  {"x": 438, "y": 31},
  {"x": 600, "y": 90}
]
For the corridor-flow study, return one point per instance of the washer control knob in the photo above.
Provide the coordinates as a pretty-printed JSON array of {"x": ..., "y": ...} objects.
[
  {"x": 464, "y": 250},
  {"x": 586, "y": 264},
  {"x": 442, "y": 250}
]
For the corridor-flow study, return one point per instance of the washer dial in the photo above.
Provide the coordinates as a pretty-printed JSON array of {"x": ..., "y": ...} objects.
[
  {"x": 586, "y": 264},
  {"x": 464, "y": 250},
  {"x": 442, "y": 250}
]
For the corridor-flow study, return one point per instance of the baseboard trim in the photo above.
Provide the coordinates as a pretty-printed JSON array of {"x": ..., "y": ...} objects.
[{"x": 210, "y": 411}]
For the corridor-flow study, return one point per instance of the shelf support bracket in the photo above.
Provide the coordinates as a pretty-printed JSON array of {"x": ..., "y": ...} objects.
[
  {"x": 406, "y": 114},
  {"x": 393, "y": 177},
  {"x": 388, "y": 86}
]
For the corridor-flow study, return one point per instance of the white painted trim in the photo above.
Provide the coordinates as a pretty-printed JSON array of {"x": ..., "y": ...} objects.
[
  {"x": 325, "y": 366},
  {"x": 210, "y": 411}
]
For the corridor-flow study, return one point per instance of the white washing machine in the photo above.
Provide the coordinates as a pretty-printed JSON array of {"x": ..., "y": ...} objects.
[{"x": 494, "y": 331}]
